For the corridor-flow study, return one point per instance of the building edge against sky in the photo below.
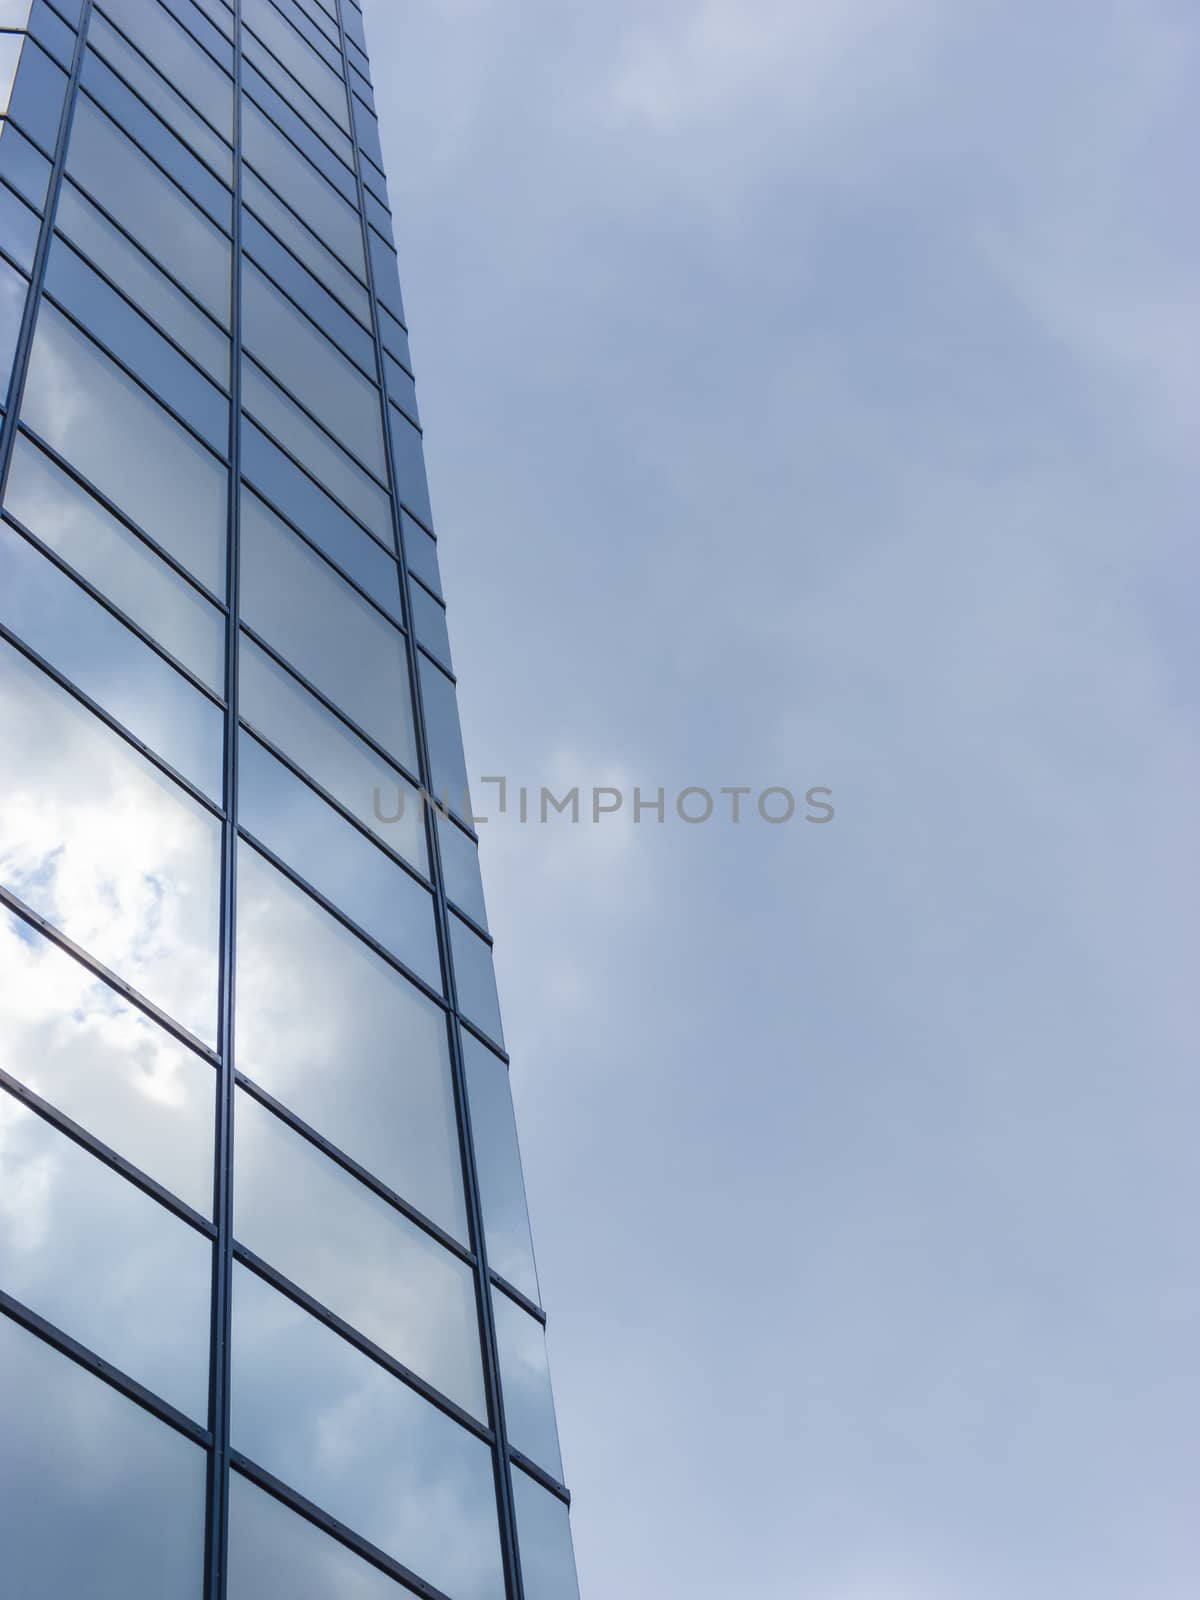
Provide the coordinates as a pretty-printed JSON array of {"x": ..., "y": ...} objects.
[{"x": 269, "y": 1318}]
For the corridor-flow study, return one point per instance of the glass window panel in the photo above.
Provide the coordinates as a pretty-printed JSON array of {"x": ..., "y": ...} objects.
[
  {"x": 177, "y": 55},
  {"x": 107, "y": 848},
  {"x": 315, "y": 371},
  {"x": 14, "y": 15},
  {"x": 400, "y": 387},
  {"x": 525, "y": 1376},
  {"x": 150, "y": 288},
  {"x": 429, "y": 624},
  {"x": 394, "y": 335},
  {"x": 310, "y": 295},
  {"x": 544, "y": 1535},
  {"x": 38, "y": 93},
  {"x": 137, "y": 344},
  {"x": 460, "y": 868},
  {"x": 366, "y": 129},
  {"x": 302, "y": 187},
  {"x": 76, "y": 1042},
  {"x": 408, "y": 459},
  {"x": 339, "y": 862},
  {"x": 301, "y": 60},
  {"x": 356, "y": 1254},
  {"x": 448, "y": 763},
  {"x": 311, "y": 21},
  {"x": 274, "y": 92},
  {"x": 272, "y": 1551},
  {"x": 52, "y": 33},
  {"x": 420, "y": 551},
  {"x": 102, "y": 1261},
  {"x": 386, "y": 272},
  {"x": 358, "y": 59},
  {"x": 153, "y": 135},
  {"x": 88, "y": 410},
  {"x": 87, "y": 644},
  {"x": 18, "y": 229},
  {"x": 378, "y": 216},
  {"x": 352, "y": 22},
  {"x": 346, "y": 1042},
  {"x": 150, "y": 208},
  {"x": 210, "y": 21},
  {"x": 162, "y": 96},
  {"x": 475, "y": 978},
  {"x": 283, "y": 710},
  {"x": 317, "y": 622},
  {"x": 307, "y": 506},
  {"x": 13, "y": 291},
  {"x": 75, "y": 525},
  {"x": 330, "y": 465},
  {"x": 305, "y": 245},
  {"x": 342, "y": 1431},
  {"x": 498, "y": 1163},
  {"x": 23, "y": 165},
  {"x": 97, "y": 1497}
]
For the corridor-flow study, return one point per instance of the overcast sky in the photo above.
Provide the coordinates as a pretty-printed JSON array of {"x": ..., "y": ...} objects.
[{"x": 811, "y": 397}]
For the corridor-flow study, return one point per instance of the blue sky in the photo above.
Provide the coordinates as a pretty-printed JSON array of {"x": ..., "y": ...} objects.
[{"x": 811, "y": 397}]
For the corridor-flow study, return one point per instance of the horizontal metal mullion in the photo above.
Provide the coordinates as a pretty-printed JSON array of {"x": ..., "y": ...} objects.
[
  {"x": 99, "y": 1368},
  {"x": 360, "y": 1342},
  {"x": 539, "y": 1475},
  {"x": 109, "y": 721},
  {"x": 114, "y": 610},
  {"x": 79, "y": 1135},
  {"x": 355, "y": 1169},
  {"x": 57, "y": 937},
  {"x": 514, "y": 1294}
]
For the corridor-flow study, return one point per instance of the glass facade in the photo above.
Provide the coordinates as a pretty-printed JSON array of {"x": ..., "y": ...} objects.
[{"x": 269, "y": 1317}]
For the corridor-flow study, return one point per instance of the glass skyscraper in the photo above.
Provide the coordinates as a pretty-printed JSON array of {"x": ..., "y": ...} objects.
[{"x": 269, "y": 1321}]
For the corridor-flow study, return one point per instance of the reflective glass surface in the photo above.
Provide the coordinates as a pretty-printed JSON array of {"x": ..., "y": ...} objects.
[
  {"x": 408, "y": 458},
  {"x": 309, "y": 294},
  {"x": 296, "y": 182},
  {"x": 91, "y": 540},
  {"x": 75, "y": 634},
  {"x": 356, "y": 1254},
  {"x": 162, "y": 95},
  {"x": 272, "y": 701},
  {"x": 18, "y": 239},
  {"x": 446, "y": 758},
  {"x": 498, "y": 1162},
  {"x": 302, "y": 62},
  {"x": 544, "y": 1534},
  {"x": 176, "y": 54},
  {"x": 23, "y": 165},
  {"x": 36, "y": 101},
  {"x": 97, "y": 1497},
  {"x": 88, "y": 409},
  {"x": 525, "y": 1378},
  {"x": 317, "y": 622},
  {"x": 294, "y": 351},
  {"x": 75, "y": 1042},
  {"x": 346, "y": 1042},
  {"x": 107, "y": 848},
  {"x": 13, "y": 290},
  {"x": 150, "y": 208},
  {"x": 305, "y": 245},
  {"x": 460, "y": 868},
  {"x": 475, "y": 977},
  {"x": 154, "y": 293},
  {"x": 80, "y": 1245},
  {"x": 137, "y": 344},
  {"x": 346, "y": 1434},
  {"x": 272, "y": 1551},
  {"x": 429, "y": 624},
  {"x": 420, "y": 552},
  {"x": 341, "y": 863}
]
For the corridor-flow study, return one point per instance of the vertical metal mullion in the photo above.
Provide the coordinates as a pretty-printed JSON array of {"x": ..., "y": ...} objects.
[
  {"x": 217, "y": 1519},
  {"x": 504, "y": 1496},
  {"x": 37, "y": 276}
]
